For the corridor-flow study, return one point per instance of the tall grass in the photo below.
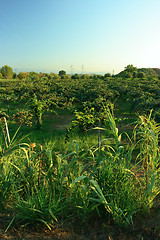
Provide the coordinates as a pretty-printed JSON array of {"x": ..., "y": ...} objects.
[
  {"x": 42, "y": 184},
  {"x": 147, "y": 136}
]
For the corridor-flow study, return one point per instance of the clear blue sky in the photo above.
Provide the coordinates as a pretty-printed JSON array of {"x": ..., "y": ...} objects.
[{"x": 101, "y": 35}]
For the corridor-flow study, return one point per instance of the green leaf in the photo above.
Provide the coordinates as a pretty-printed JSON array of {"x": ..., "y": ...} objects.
[{"x": 77, "y": 180}]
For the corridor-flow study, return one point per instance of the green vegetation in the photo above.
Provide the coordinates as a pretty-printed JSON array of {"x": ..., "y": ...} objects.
[
  {"x": 6, "y": 72},
  {"x": 40, "y": 185},
  {"x": 91, "y": 148}
]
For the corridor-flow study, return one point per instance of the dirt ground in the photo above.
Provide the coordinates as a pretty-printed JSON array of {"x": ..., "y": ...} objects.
[
  {"x": 59, "y": 122},
  {"x": 147, "y": 228}
]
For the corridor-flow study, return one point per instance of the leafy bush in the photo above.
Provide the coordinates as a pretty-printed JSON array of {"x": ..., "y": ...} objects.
[{"x": 23, "y": 117}]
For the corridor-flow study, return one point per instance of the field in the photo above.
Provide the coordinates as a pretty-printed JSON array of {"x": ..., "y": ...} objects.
[{"x": 83, "y": 158}]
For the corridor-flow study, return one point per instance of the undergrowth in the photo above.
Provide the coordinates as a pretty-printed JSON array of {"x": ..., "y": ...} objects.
[{"x": 40, "y": 184}]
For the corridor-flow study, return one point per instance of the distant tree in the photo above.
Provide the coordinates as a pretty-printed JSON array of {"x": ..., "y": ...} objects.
[
  {"x": 130, "y": 69},
  {"x": 141, "y": 75},
  {"x": 34, "y": 76},
  {"x": 41, "y": 74},
  {"x": 85, "y": 76},
  {"x": 47, "y": 75},
  {"x": 23, "y": 75},
  {"x": 97, "y": 76},
  {"x": 128, "y": 75},
  {"x": 76, "y": 76},
  {"x": 106, "y": 75},
  {"x": 54, "y": 75},
  {"x": 7, "y": 72},
  {"x": 1, "y": 76},
  {"x": 62, "y": 73},
  {"x": 14, "y": 75},
  {"x": 134, "y": 74}
]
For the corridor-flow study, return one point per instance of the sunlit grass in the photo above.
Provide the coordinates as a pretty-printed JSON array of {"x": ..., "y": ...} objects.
[{"x": 79, "y": 178}]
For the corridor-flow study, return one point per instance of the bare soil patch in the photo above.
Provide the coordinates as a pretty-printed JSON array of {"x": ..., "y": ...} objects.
[
  {"x": 60, "y": 122},
  {"x": 148, "y": 228}
]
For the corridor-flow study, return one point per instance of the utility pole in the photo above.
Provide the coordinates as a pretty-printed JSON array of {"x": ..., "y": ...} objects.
[
  {"x": 71, "y": 69},
  {"x": 16, "y": 72},
  {"x": 82, "y": 69}
]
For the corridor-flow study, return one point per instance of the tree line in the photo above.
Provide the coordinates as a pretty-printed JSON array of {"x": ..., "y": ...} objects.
[
  {"x": 6, "y": 72},
  {"x": 130, "y": 71}
]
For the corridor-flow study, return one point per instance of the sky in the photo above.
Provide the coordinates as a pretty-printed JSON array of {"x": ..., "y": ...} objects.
[{"x": 79, "y": 36}]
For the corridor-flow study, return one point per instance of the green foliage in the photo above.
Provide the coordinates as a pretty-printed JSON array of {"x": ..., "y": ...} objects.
[
  {"x": 76, "y": 76},
  {"x": 75, "y": 180},
  {"x": 147, "y": 136},
  {"x": 23, "y": 75},
  {"x": 7, "y": 72},
  {"x": 33, "y": 76},
  {"x": 141, "y": 75},
  {"x": 1, "y": 76},
  {"x": 107, "y": 75},
  {"x": 62, "y": 73},
  {"x": 148, "y": 132},
  {"x": 150, "y": 72},
  {"x": 130, "y": 68},
  {"x": 91, "y": 116},
  {"x": 23, "y": 117},
  {"x": 37, "y": 107},
  {"x": 39, "y": 185},
  {"x": 141, "y": 93},
  {"x": 128, "y": 75},
  {"x": 84, "y": 120}
]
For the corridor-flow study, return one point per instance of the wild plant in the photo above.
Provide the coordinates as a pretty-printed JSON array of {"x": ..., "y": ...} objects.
[
  {"x": 6, "y": 158},
  {"x": 117, "y": 187},
  {"x": 42, "y": 185},
  {"x": 146, "y": 133}
]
